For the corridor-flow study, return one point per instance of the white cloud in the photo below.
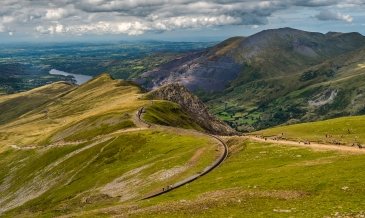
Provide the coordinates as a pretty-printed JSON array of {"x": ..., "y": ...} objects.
[
  {"x": 135, "y": 28},
  {"x": 7, "y": 19},
  {"x": 331, "y": 15},
  {"x": 59, "y": 13},
  {"x": 134, "y": 17}
]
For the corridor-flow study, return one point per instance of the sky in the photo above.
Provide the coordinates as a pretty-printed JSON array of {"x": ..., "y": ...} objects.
[{"x": 172, "y": 20}]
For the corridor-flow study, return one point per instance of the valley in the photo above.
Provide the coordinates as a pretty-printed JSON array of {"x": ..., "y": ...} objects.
[{"x": 30, "y": 64}]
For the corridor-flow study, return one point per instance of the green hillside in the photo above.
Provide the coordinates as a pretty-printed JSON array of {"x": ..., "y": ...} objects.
[
  {"x": 330, "y": 89},
  {"x": 169, "y": 114},
  {"x": 263, "y": 180},
  {"x": 16, "y": 105},
  {"x": 344, "y": 130},
  {"x": 84, "y": 148}
]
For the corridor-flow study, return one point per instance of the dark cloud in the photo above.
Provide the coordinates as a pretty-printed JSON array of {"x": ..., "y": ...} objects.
[
  {"x": 332, "y": 15},
  {"x": 315, "y": 3}
]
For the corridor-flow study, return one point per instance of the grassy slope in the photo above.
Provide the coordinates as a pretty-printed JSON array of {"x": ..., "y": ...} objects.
[
  {"x": 100, "y": 165},
  {"x": 265, "y": 180},
  {"x": 143, "y": 162},
  {"x": 169, "y": 114},
  {"x": 348, "y": 82},
  {"x": 102, "y": 104},
  {"x": 29, "y": 100},
  {"x": 346, "y": 130},
  {"x": 263, "y": 101}
]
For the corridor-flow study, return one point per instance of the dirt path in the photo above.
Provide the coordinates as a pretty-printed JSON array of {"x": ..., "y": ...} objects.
[
  {"x": 311, "y": 145},
  {"x": 23, "y": 148},
  {"x": 61, "y": 143}
]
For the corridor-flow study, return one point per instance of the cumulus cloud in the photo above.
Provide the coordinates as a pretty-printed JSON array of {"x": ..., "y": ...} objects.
[
  {"x": 331, "y": 15},
  {"x": 55, "y": 14},
  {"x": 134, "y": 17}
]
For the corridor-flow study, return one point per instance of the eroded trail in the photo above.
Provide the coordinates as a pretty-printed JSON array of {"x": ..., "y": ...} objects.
[{"x": 311, "y": 145}]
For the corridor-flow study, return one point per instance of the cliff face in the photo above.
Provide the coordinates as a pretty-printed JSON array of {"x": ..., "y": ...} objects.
[{"x": 193, "y": 106}]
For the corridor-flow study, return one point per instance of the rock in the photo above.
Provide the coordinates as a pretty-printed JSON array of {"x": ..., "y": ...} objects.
[
  {"x": 345, "y": 188},
  {"x": 282, "y": 211}
]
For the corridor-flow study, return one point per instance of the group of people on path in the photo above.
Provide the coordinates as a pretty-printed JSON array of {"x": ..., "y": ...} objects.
[
  {"x": 167, "y": 188},
  {"x": 307, "y": 142}
]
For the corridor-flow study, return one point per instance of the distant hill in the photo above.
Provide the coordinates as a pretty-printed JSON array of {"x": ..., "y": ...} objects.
[{"x": 244, "y": 78}]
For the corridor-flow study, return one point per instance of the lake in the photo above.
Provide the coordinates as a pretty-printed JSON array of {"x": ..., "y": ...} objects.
[{"x": 80, "y": 79}]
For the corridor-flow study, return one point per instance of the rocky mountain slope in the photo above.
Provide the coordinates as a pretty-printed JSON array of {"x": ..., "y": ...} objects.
[
  {"x": 193, "y": 106},
  {"x": 241, "y": 77}
]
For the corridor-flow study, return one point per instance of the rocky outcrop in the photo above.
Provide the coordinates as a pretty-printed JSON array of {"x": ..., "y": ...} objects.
[
  {"x": 193, "y": 106},
  {"x": 198, "y": 71}
]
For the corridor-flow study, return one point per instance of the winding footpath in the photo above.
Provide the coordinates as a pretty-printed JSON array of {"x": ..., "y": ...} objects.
[{"x": 206, "y": 170}]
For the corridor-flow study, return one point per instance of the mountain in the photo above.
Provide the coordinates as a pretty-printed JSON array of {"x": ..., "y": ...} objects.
[{"x": 241, "y": 77}]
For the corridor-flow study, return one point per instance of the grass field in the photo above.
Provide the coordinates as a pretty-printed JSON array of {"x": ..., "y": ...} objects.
[
  {"x": 345, "y": 130},
  {"x": 265, "y": 180},
  {"x": 123, "y": 168}
]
